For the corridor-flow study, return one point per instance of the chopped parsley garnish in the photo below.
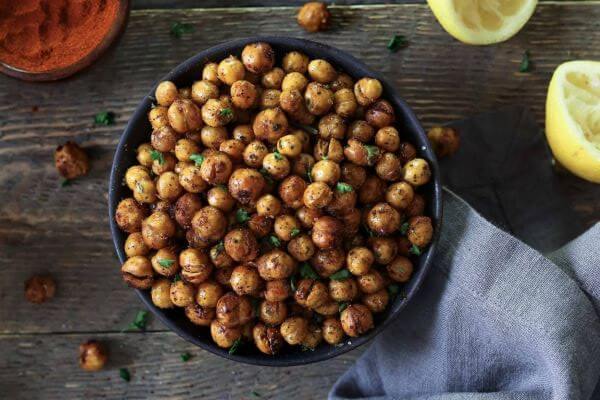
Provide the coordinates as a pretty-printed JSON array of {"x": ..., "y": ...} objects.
[
  {"x": 185, "y": 357},
  {"x": 198, "y": 159},
  {"x": 274, "y": 241},
  {"x": 266, "y": 175},
  {"x": 404, "y": 228},
  {"x": 277, "y": 155},
  {"x": 293, "y": 283},
  {"x": 157, "y": 156},
  {"x": 307, "y": 272},
  {"x": 242, "y": 216},
  {"x": 396, "y": 43},
  {"x": 177, "y": 278},
  {"x": 254, "y": 393},
  {"x": 295, "y": 232},
  {"x": 124, "y": 374},
  {"x": 414, "y": 249},
  {"x": 343, "y": 306},
  {"x": 324, "y": 158},
  {"x": 236, "y": 346},
  {"x": 341, "y": 275},
  {"x": 525, "y": 65},
  {"x": 140, "y": 321},
  {"x": 343, "y": 187},
  {"x": 165, "y": 262},
  {"x": 65, "y": 182},
  {"x": 372, "y": 153},
  {"x": 104, "y": 118},
  {"x": 226, "y": 112},
  {"x": 179, "y": 28}
]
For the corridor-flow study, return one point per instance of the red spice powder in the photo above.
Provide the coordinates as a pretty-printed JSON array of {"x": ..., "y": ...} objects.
[{"x": 42, "y": 35}]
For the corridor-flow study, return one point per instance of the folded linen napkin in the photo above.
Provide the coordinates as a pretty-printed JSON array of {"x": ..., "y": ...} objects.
[{"x": 495, "y": 318}]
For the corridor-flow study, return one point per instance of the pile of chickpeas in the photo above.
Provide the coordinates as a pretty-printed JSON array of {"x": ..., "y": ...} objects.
[{"x": 274, "y": 204}]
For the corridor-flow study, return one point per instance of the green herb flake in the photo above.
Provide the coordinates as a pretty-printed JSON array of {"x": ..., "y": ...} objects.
[
  {"x": 396, "y": 43},
  {"x": 157, "y": 156},
  {"x": 343, "y": 187},
  {"x": 404, "y": 228},
  {"x": 124, "y": 374},
  {"x": 341, "y": 275},
  {"x": 179, "y": 28},
  {"x": 198, "y": 159},
  {"x": 295, "y": 232},
  {"x": 65, "y": 182},
  {"x": 277, "y": 155},
  {"x": 525, "y": 65},
  {"x": 165, "y": 262},
  {"x": 307, "y": 272},
  {"x": 343, "y": 306},
  {"x": 266, "y": 175},
  {"x": 140, "y": 322},
  {"x": 372, "y": 153},
  {"x": 242, "y": 216},
  {"x": 236, "y": 346},
  {"x": 104, "y": 118},
  {"x": 255, "y": 394},
  {"x": 185, "y": 357},
  {"x": 274, "y": 240},
  {"x": 177, "y": 278},
  {"x": 393, "y": 289},
  {"x": 226, "y": 112},
  {"x": 293, "y": 283},
  {"x": 414, "y": 249},
  {"x": 324, "y": 158}
]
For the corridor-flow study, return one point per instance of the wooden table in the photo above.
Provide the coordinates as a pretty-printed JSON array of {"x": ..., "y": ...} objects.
[{"x": 64, "y": 230}]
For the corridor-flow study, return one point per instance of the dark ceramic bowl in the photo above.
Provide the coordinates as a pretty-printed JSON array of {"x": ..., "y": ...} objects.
[{"x": 138, "y": 131}]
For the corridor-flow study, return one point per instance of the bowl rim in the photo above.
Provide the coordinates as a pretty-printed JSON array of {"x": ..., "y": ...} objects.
[{"x": 307, "y": 46}]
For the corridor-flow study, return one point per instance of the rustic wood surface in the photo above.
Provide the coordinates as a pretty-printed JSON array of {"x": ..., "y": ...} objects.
[{"x": 64, "y": 230}]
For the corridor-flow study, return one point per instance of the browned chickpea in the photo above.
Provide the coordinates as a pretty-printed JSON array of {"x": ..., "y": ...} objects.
[
  {"x": 129, "y": 215},
  {"x": 196, "y": 241},
  {"x": 217, "y": 112},
  {"x": 377, "y": 302},
  {"x": 389, "y": 167},
  {"x": 267, "y": 339},
  {"x": 195, "y": 266},
  {"x": 343, "y": 290},
  {"x": 210, "y": 73},
  {"x": 184, "y": 116},
  {"x": 317, "y": 195},
  {"x": 356, "y": 320},
  {"x": 135, "y": 246},
  {"x": 343, "y": 81},
  {"x": 233, "y": 310},
  {"x": 230, "y": 70},
  {"x": 314, "y": 16},
  {"x": 199, "y": 315},
  {"x": 321, "y": 71},
  {"x": 333, "y": 333},
  {"x": 293, "y": 82},
  {"x": 361, "y": 154},
  {"x": 272, "y": 79},
  {"x": 272, "y": 312},
  {"x": 161, "y": 293},
  {"x": 308, "y": 216},
  {"x": 219, "y": 256},
  {"x": 258, "y": 57},
  {"x": 165, "y": 261},
  {"x": 294, "y": 329},
  {"x": 332, "y": 126},
  {"x": 208, "y": 294},
  {"x": 417, "y": 172},
  {"x": 243, "y": 133},
  {"x": 158, "y": 229},
  {"x": 303, "y": 164},
  {"x": 181, "y": 165},
  {"x": 166, "y": 93},
  {"x": 291, "y": 191},
  {"x": 326, "y": 171},
  {"x": 359, "y": 260},
  {"x": 372, "y": 190},
  {"x": 209, "y": 223},
  {"x": 245, "y": 280},
  {"x": 277, "y": 165},
  {"x": 190, "y": 178},
  {"x": 220, "y": 198},
  {"x": 407, "y": 152},
  {"x": 137, "y": 272},
  {"x": 404, "y": 246},
  {"x": 275, "y": 264},
  {"x": 289, "y": 145},
  {"x": 269, "y": 98},
  {"x": 277, "y": 290},
  {"x": 71, "y": 160},
  {"x": 295, "y": 61},
  {"x": 416, "y": 207},
  {"x": 444, "y": 140},
  {"x": 161, "y": 205},
  {"x": 370, "y": 282},
  {"x": 222, "y": 276},
  {"x": 399, "y": 195},
  {"x": 212, "y": 137},
  {"x": 255, "y": 153},
  {"x": 420, "y": 231},
  {"x": 313, "y": 337},
  {"x": 327, "y": 232},
  {"x": 216, "y": 168},
  {"x": 243, "y": 94},
  {"x": 328, "y": 261},
  {"x": 270, "y": 124},
  {"x": 344, "y": 200},
  {"x": 158, "y": 117},
  {"x": 164, "y": 138},
  {"x": 318, "y": 98},
  {"x": 400, "y": 269},
  {"x": 351, "y": 220},
  {"x": 328, "y": 308},
  {"x": 353, "y": 174},
  {"x": 384, "y": 249},
  {"x": 181, "y": 293},
  {"x": 388, "y": 139},
  {"x": 144, "y": 155},
  {"x": 367, "y": 91},
  {"x": 241, "y": 245},
  {"x": 345, "y": 103},
  {"x": 145, "y": 191},
  {"x": 39, "y": 289},
  {"x": 329, "y": 149},
  {"x": 204, "y": 90},
  {"x": 380, "y": 114},
  {"x": 286, "y": 227},
  {"x": 234, "y": 149},
  {"x": 92, "y": 356},
  {"x": 361, "y": 131},
  {"x": 246, "y": 185},
  {"x": 223, "y": 335},
  {"x": 301, "y": 247},
  {"x": 268, "y": 205},
  {"x": 168, "y": 187},
  {"x": 260, "y": 225}
]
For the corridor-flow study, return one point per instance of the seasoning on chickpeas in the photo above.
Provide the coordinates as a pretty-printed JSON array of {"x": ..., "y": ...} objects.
[
  {"x": 272, "y": 204},
  {"x": 71, "y": 160},
  {"x": 314, "y": 16}
]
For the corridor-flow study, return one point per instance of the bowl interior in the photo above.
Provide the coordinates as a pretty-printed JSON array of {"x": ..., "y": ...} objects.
[{"x": 138, "y": 131}]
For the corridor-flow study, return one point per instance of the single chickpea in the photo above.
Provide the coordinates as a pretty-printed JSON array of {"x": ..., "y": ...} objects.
[
  {"x": 166, "y": 93},
  {"x": 314, "y": 16}
]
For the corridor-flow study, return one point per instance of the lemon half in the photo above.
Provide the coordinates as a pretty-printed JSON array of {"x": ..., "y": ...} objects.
[
  {"x": 482, "y": 21},
  {"x": 573, "y": 117}
]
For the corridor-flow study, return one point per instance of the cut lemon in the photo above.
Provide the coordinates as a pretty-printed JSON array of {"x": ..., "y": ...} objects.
[
  {"x": 573, "y": 117},
  {"x": 482, "y": 21}
]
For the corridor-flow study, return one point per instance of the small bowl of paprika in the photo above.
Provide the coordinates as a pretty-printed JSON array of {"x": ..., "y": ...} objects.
[{"x": 46, "y": 40}]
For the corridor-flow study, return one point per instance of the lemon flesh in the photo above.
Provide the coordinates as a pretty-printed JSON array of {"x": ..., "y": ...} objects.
[
  {"x": 482, "y": 21},
  {"x": 573, "y": 117}
]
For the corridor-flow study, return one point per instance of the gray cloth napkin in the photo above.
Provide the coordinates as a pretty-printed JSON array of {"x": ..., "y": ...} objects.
[{"x": 495, "y": 318}]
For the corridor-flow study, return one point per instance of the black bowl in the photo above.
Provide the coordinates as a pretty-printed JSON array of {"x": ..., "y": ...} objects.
[{"x": 138, "y": 131}]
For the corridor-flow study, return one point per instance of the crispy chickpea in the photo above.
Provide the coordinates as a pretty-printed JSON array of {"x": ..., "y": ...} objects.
[
  {"x": 384, "y": 249},
  {"x": 165, "y": 261},
  {"x": 370, "y": 282},
  {"x": 246, "y": 185},
  {"x": 135, "y": 246},
  {"x": 289, "y": 145},
  {"x": 129, "y": 215},
  {"x": 314, "y": 16},
  {"x": 345, "y": 103},
  {"x": 372, "y": 190},
  {"x": 245, "y": 280},
  {"x": 295, "y": 61},
  {"x": 223, "y": 335},
  {"x": 254, "y": 154},
  {"x": 326, "y": 232},
  {"x": 417, "y": 172},
  {"x": 39, "y": 289},
  {"x": 301, "y": 247},
  {"x": 269, "y": 98},
  {"x": 216, "y": 168},
  {"x": 184, "y": 116},
  {"x": 333, "y": 333},
  {"x": 367, "y": 91},
  {"x": 161, "y": 205},
  {"x": 185, "y": 93},
  {"x": 210, "y": 223},
  {"x": 270, "y": 124},
  {"x": 241, "y": 245},
  {"x": 328, "y": 261},
  {"x": 303, "y": 164},
  {"x": 353, "y": 174},
  {"x": 321, "y": 71},
  {"x": 361, "y": 131},
  {"x": 258, "y": 57},
  {"x": 272, "y": 312},
  {"x": 359, "y": 260},
  {"x": 92, "y": 356},
  {"x": 388, "y": 139},
  {"x": 389, "y": 167},
  {"x": 260, "y": 225},
  {"x": 277, "y": 165},
  {"x": 158, "y": 117},
  {"x": 233, "y": 310},
  {"x": 294, "y": 329},
  {"x": 267, "y": 339},
  {"x": 420, "y": 231},
  {"x": 291, "y": 191},
  {"x": 166, "y": 93},
  {"x": 243, "y": 94},
  {"x": 275, "y": 264},
  {"x": 222, "y": 275},
  {"x": 286, "y": 227},
  {"x": 191, "y": 180},
  {"x": 210, "y": 73},
  {"x": 243, "y": 133},
  {"x": 204, "y": 90},
  {"x": 416, "y": 207},
  {"x": 136, "y": 174},
  {"x": 220, "y": 198},
  {"x": 277, "y": 290},
  {"x": 318, "y": 98},
  {"x": 157, "y": 230},
  {"x": 292, "y": 101},
  {"x": 164, "y": 138},
  {"x": 137, "y": 272},
  {"x": 294, "y": 81},
  {"x": 144, "y": 155},
  {"x": 356, "y": 320},
  {"x": 145, "y": 191},
  {"x": 343, "y": 81},
  {"x": 272, "y": 79},
  {"x": 329, "y": 149},
  {"x": 343, "y": 290},
  {"x": 219, "y": 257},
  {"x": 199, "y": 315},
  {"x": 358, "y": 153},
  {"x": 181, "y": 165},
  {"x": 217, "y": 112},
  {"x": 168, "y": 187},
  {"x": 308, "y": 216},
  {"x": 230, "y": 70},
  {"x": 317, "y": 195},
  {"x": 332, "y": 126},
  {"x": 351, "y": 220},
  {"x": 380, "y": 114},
  {"x": 326, "y": 171},
  {"x": 184, "y": 148},
  {"x": 208, "y": 294},
  {"x": 344, "y": 201},
  {"x": 407, "y": 152},
  {"x": 71, "y": 160},
  {"x": 328, "y": 308},
  {"x": 376, "y": 302},
  {"x": 161, "y": 293},
  {"x": 268, "y": 205},
  {"x": 399, "y": 195},
  {"x": 444, "y": 140},
  {"x": 400, "y": 269},
  {"x": 313, "y": 337},
  {"x": 233, "y": 148},
  {"x": 212, "y": 137}
]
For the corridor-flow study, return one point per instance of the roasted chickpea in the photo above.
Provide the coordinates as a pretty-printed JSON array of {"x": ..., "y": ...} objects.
[
  {"x": 184, "y": 148},
  {"x": 291, "y": 191},
  {"x": 308, "y": 216},
  {"x": 233, "y": 310},
  {"x": 243, "y": 133},
  {"x": 210, "y": 223},
  {"x": 372, "y": 190},
  {"x": 272, "y": 312},
  {"x": 267, "y": 339},
  {"x": 135, "y": 246},
  {"x": 220, "y": 198},
  {"x": 269, "y": 98},
  {"x": 420, "y": 231},
  {"x": 356, "y": 320},
  {"x": 314, "y": 16},
  {"x": 216, "y": 168},
  {"x": 145, "y": 191},
  {"x": 39, "y": 289},
  {"x": 184, "y": 116},
  {"x": 272, "y": 79},
  {"x": 388, "y": 139},
  {"x": 268, "y": 205},
  {"x": 195, "y": 241},
  {"x": 270, "y": 124},
  {"x": 199, "y": 315},
  {"x": 321, "y": 71},
  {"x": 144, "y": 155},
  {"x": 313, "y": 337},
  {"x": 329, "y": 149},
  {"x": 168, "y": 187},
  {"x": 345, "y": 103},
  {"x": 303, "y": 164},
  {"x": 137, "y": 272},
  {"x": 243, "y": 94},
  {"x": 343, "y": 81},
  {"x": 359, "y": 153},
  {"x": 301, "y": 247},
  {"x": 223, "y": 335},
  {"x": 277, "y": 165},
  {"x": 367, "y": 91},
  {"x": 164, "y": 138},
  {"x": 344, "y": 200},
  {"x": 161, "y": 293},
  {"x": 333, "y": 333},
  {"x": 165, "y": 261},
  {"x": 71, "y": 160},
  {"x": 400, "y": 269},
  {"x": 351, "y": 220},
  {"x": 378, "y": 301},
  {"x": 294, "y": 329},
  {"x": 277, "y": 290},
  {"x": 246, "y": 185},
  {"x": 416, "y": 207},
  {"x": 212, "y": 137},
  {"x": 204, "y": 90},
  {"x": 294, "y": 81},
  {"x": 353, "y": 174},
  {"x": 317, "y": 195},
  {"x": 343, "y": 290},
  {"x": 404, "y": 246},
  {"x": 289, "y": 145},
  {"x": 326, "y": 171},
  {"x": 444, "y": 140},
  {"x": 223, "y": 274},
  {"x": 241, "y": 245},
  {"x": 361, "y": 131},
  {"x": 166, "y": 93},
  {"x": 370, "y": 282},
  {"x": 328, "y": 308},
  {"x": 255, "y": 153},
  {"x": 359, "y": 260},
  {"x": 245, "y": 280},
  {"x": 318, "y": 98},
  {"x": 326, "y": 232},
  {"x": 158, "y": 117},
  {"x": 328, "y": 261},
  {"x": 191, "y": 180},
  {"x": 258, "y": 57},
  {"x": 136, "y": 174},
  {"x": 286, "y": 227},
  {"x": 92, "y": 356},
  {"x": 230, "y": 70},
  {"x": 208, "y": 294},
  {"x": 384, "y": 249},
  {"x": 210, "y": 73},
  {"x": 217, "y": 112},
  {"x": 380, "y": 114},
  {"x": 129, "y": 215},
  {"x": 275, "y": 264},
  {"x": 389, "y": 167},
  {"x": 234, "y": 149},
  {"x": 295, "y": 61},
  {"x": 417, "y": 172},
  {"x": 399, "y": 195},
  {"x": 292, "y": 101},
  {"x": 407, "y": 152}
]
